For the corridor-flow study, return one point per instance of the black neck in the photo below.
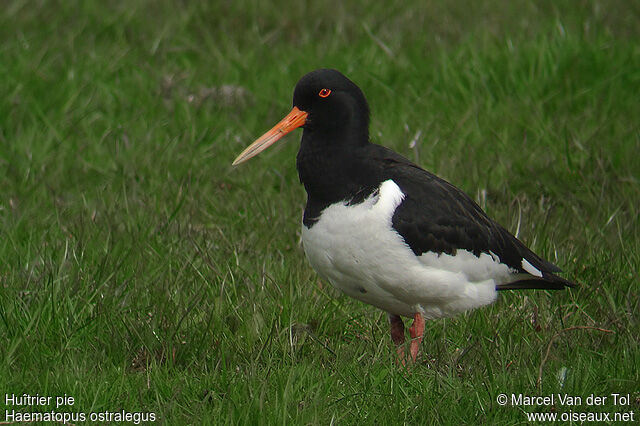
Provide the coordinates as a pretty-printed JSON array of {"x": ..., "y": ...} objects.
[{"x": 332, "y": 170}]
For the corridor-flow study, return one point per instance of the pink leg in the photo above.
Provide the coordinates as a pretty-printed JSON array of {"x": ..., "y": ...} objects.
[
  {"x": 397, "y": 335},
  {"x": 416, "y": 331}
]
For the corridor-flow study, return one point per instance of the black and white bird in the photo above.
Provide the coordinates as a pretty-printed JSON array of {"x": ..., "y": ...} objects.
[{"x": 386, "y": 232}]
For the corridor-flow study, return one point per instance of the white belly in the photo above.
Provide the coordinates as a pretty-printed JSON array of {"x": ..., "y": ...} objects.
[{"x": 357, "y": 250}]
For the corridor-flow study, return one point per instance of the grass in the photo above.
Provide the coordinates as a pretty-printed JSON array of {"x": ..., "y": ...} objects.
[{"x": 139, "y": 271}]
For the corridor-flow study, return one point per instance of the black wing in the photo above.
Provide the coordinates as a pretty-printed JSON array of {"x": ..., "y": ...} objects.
[{"x": 435, "y": 216}]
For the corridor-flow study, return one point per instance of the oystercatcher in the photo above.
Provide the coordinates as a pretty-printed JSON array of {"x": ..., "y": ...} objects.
[{"x": 387, "y": 232}]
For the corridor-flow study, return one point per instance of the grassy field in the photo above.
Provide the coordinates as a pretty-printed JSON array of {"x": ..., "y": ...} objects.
[{"x": 140, "y": 272}]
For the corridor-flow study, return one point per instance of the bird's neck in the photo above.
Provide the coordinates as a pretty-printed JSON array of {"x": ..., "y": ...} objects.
[{"x": 331, "y": 170}]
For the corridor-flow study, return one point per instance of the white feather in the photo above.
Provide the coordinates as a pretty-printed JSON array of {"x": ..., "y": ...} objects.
[
  {"x": 530, "y": 268},
  {"x": 356, "y": 249}
]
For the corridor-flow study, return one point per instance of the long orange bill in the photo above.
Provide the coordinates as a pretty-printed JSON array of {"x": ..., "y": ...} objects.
[{"x": 293, "y": 120}]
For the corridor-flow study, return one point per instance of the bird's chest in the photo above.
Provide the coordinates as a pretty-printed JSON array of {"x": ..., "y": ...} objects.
[{"x": 352, "y": 246}]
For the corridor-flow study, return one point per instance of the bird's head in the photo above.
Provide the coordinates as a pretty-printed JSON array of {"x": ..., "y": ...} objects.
[{"x": 325, "y": 103}]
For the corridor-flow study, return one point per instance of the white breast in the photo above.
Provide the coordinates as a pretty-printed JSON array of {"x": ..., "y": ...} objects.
[{"x": 357, "y": 250}]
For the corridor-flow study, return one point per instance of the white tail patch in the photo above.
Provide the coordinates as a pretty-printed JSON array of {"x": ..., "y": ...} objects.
[{"x": 530, "y": 268}]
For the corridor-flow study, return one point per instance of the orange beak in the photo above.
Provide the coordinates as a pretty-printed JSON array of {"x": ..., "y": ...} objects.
[{"x": 293, "y": 120}]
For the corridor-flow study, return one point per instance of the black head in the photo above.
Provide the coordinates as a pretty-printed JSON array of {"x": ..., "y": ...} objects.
[
  {"x": 330, "y": 108},
  {"x": 333, "y": 103}
]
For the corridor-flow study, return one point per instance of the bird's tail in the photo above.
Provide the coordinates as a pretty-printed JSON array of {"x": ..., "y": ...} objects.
[{"x": 547, "y": 281}]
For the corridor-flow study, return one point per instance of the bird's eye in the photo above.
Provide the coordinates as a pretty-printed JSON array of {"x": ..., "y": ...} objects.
[{"x": 324, "y": 93}]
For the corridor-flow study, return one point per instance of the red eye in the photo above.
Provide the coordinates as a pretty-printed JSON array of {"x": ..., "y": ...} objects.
[{"x": 324, "y": 93}]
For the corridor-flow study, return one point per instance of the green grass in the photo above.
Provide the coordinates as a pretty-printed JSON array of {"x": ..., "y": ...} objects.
[{"x": 139, "y": 271}]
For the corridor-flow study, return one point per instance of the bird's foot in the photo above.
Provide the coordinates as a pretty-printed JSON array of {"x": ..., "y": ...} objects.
[
  {"x": 397, "y": 336},
  {"x": 417, "y": 332}
]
